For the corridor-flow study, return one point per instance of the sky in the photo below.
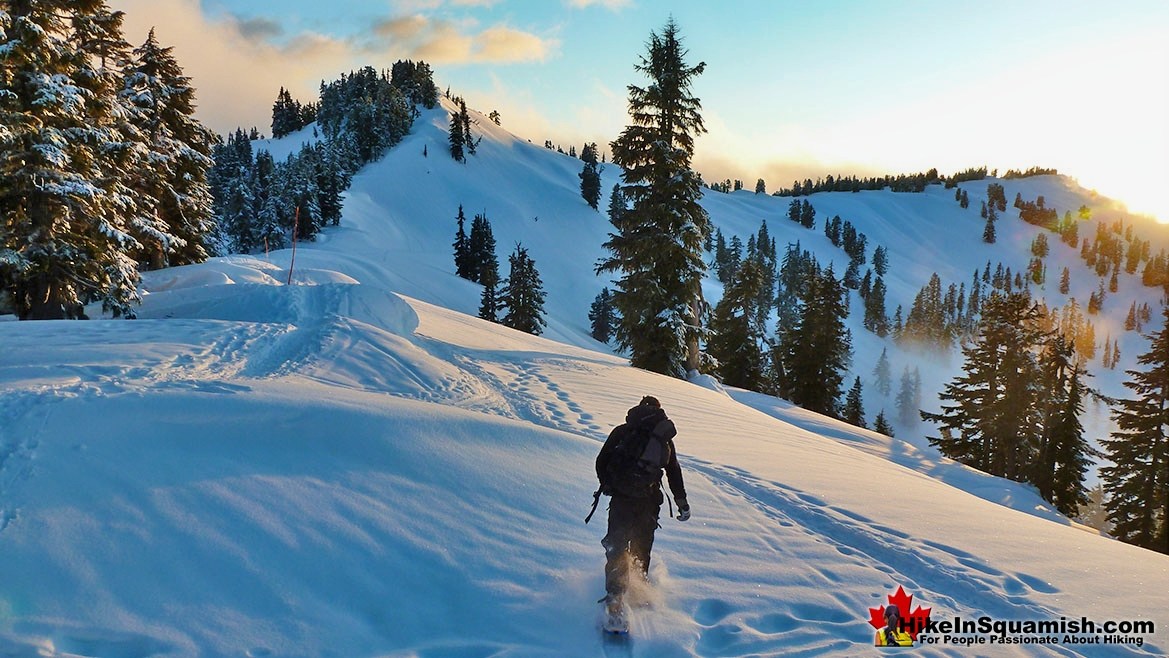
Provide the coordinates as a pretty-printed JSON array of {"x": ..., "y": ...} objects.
[{"x": 791, "y": 90}]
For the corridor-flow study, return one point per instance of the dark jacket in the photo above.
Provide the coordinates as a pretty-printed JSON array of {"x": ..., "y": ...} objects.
[{"x": 653, "y": 418}]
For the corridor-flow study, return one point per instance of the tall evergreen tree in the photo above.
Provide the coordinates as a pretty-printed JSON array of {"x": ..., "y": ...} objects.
[
  {"x": 482, "y": 258},
  {"x": 457, "y": 139},
  {"x": 602, "y": 318},
  {"x": 590, "y": 176},
  {"x": 617, "y": 205},
  {"x": 657, "y": 246},
  {"x": 462, "y": 246},
  {"x": 881, "y": 425},
  {"x": 909, "y": 396},
  {"x": 66, "y": 145},
  {"x": 1064, "y": 455},
  {"x": 988, "y": 232},
  {"x": 171, "y": 183},
  {"x": 876, "y": 319},
  {"x": 286, "y": 113},
  {"x": 489, "y": 303},
  {"x": 816, "y": 349},
  {"x": 1137, "y": 481},
  {"x": 737, "y": 336},
  {"x": 235, "y": 193},
  {"x": 485, "y": 267},
  {"x": 854, "y": 406},
  {"x": 990, "y": 418},
  {"x": 523, "y": 295},
  {"x": 881, "y": 260},
  {"x": 465, "y": 118},
  {"x": 883, "y": 373}
]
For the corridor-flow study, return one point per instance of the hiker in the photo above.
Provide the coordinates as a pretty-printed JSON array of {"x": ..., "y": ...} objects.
[{"x": 629, "y": 468}]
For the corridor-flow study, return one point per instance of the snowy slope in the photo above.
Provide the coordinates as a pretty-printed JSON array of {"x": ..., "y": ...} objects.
[{"x": 354, "y": 466}]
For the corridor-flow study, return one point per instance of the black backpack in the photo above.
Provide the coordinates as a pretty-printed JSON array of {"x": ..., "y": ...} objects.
[{"x": 636, "y": 465}]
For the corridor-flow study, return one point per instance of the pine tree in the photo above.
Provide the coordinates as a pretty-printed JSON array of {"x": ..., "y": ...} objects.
[
  {"x": 462, "y": 246},
  {"x": 482, "y": 258},
  {"x": 457, "y": 139},
  {"x": 523, "y": 295},
  {"x": 737, "y": 335},
  {"x": 489, "y": 303},
  {"x": 1137, "y": 481},
  {"x": 814, "y": 351},
  {"x": 909, "y": 397},
  {"x": 882, "y": 426},
  {"x": 807, "y": 215},
  {"x": 760, "y": 187},
  {"x": 989, "y": 418},
  {"x": 881, "y": 260},
  {"x": 286, "y": 113},
  {"x": 469, "y": 141},
  {"x": 876, "y": 319},
  {"x": 988, "y": 232},
  {"x": 602, "y": 318},
  {"x": 66, "y": 146},
  {"x": 236, "y": 193},
  {"x": 1064, "y": 455},
  {"x": 617, "y": 206},
  {"x": 854, "y": 407},
  {"x": 171, "y": 183},
  {"x": 657, "y": 246},
  {"x": 590, "y": 176},
  {"x": 883, "y": 373}
]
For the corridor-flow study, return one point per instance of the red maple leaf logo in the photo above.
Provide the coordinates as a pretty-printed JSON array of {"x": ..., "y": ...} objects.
[{"x": 911, "y": 622}]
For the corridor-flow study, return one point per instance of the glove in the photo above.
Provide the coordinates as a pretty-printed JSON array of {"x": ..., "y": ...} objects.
[{"x": 683, "y": 511}]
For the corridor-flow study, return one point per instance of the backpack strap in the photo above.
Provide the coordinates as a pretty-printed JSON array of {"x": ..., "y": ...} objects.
[{"x": 596, "y": 501}]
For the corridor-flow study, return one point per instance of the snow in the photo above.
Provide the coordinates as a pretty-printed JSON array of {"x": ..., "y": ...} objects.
[{"x": 354, "y": 465}]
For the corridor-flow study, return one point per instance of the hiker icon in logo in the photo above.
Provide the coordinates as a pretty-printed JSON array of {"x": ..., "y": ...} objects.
[
  {"x": 892, "y": 635},
  {"x": 898, "y": 623}
]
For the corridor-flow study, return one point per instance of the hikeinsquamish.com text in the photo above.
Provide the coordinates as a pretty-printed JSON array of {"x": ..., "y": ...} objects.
[{"x": 989, "y": 631}]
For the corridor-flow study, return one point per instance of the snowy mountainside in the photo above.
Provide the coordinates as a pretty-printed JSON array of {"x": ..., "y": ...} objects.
[
  {"x": 354, "y": 465},
  {"x": 406, "y": 203}
]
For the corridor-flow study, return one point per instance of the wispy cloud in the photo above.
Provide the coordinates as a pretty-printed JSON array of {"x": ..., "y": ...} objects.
[
  {"x": 611, "y": 5},
  {"x": 260, "y": 28},
  {"x": 238, "y": 65},
  {"x": 443, "y": 41}
]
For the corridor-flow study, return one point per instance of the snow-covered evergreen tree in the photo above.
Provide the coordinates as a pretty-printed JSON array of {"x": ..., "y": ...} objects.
[
  {"x": 66, "y": 144},
  {"x": 657, "y": 246},
  {"x": 173, "y": 179}
]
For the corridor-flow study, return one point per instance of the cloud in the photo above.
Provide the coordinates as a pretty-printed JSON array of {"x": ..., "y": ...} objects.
[
  {"x": 611, "y": 5},
  {"x": 260, "y": 28},
  {"x": 237, "y": 66},
  {"x": 503, "y": 44},
  {"x": 440, "y": 41}
]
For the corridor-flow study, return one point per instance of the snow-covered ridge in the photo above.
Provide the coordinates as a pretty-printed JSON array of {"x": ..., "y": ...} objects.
[{"x": 353, "y": 465}]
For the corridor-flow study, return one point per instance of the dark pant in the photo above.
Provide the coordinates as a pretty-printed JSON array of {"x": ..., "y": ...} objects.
[{"x": 632, "y": 522}]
